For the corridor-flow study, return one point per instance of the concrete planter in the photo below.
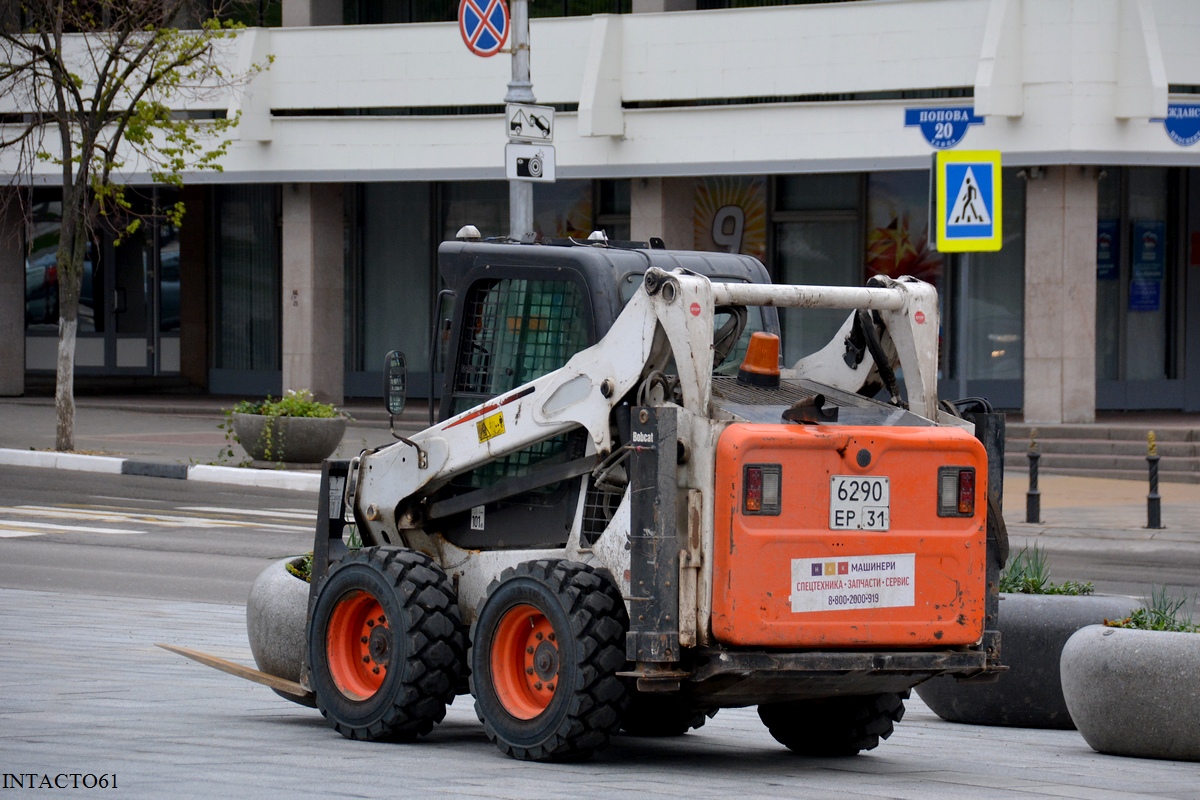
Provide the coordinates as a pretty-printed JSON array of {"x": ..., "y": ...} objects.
[
  {"x": 277, "y": 623},
  {"x": 295, "y": 440},
  {"x": 1133, "y": 693},
  {"x": 1033, "y": 629}
]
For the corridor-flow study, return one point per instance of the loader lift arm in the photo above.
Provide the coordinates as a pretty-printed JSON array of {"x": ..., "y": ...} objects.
[{"x": 669, "y": 317}]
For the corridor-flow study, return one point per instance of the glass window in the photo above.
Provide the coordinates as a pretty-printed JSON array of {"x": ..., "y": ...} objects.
[
  {"x": 578, "y": 8},
  {"x": 483, "y": 204},
  {"x": 1148, "y": 290},
  {"x": 41, "y": 267},
  {"x": 825, "y": 252},
  {"x": 248, "y": 278},
  {"x": 1108, "y": 275},
  {"x": 255, "y": 13},
  {"x": 898, "y": 227},
  {"x": 612, "y": 215},
  {"x": 562, "y": 209},
  {"x": 730, "y": 215},
  {"x": 1137, "y": 288},
  {"x": 42, "y": 272},
  {"x": 168, "y": 255},
  {"x": 991, "y": 288},
  {"x": 817, "y": 192},
  {"x": 395, "y": 287}
]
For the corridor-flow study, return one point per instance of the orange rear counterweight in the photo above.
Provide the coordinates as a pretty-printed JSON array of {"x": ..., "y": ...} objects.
[{"x": 860, "y": 549}]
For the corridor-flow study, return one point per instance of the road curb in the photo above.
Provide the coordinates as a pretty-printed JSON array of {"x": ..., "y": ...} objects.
[{"x": 294, "y": 480}]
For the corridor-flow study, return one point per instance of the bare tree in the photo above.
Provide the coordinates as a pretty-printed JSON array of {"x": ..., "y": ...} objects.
[{"x": 97, "y": 88}]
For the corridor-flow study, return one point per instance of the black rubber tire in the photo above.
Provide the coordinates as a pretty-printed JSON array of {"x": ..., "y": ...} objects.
[
  {"x": 834, "y": 726},
  {"x": 589, "y": 621},
  {"x": 662, "y": 715},
  {"x": 424, "y": 643}
]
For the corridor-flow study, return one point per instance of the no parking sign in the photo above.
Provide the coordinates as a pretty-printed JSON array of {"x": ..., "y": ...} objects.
[{"x": 483, "y": 25}]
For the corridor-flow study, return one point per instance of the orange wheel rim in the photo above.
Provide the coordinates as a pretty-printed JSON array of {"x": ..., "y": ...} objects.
[
  {"x": 358, "y": 645},
  {"x": 525, "y": 662}
]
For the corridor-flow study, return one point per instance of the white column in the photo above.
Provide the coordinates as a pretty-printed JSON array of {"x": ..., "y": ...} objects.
[
  {"x": 12, "y": 296},
  {"x": 663, "y": 207},
  {"x": 1060, "y": 295},
  {"x": 313, "y": 289}
]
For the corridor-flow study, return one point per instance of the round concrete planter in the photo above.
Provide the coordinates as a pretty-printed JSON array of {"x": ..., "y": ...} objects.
[
  {"x": 1133, "y": 693},
  {"x": 1033, "y": 629},
  {"x": 277, "y": 623},
  {"x": 295, "y": 440}
]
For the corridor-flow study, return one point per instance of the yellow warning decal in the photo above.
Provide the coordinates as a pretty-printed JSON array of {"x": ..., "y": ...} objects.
[{"x": 490, "y": 427}]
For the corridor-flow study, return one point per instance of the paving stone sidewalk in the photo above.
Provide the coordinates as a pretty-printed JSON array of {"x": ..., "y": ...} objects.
[{"x": 86, "y": 691}]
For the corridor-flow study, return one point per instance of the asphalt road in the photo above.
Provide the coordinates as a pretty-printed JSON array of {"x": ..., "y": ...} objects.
[
  {"x": 130, "y": 536},
  {"x": 95, "y": 569}
]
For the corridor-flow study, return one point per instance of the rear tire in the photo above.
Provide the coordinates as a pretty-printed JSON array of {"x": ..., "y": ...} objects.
[
  {"x": 546, "y": 647},
  {"x": 834, "y": 726},
  {"x": 386, "y": 645},
  {"x": 662, "y": 715}
]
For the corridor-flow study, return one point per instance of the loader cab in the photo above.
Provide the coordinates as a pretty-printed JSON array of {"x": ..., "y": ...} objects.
[{"x": 520, "y": 311}]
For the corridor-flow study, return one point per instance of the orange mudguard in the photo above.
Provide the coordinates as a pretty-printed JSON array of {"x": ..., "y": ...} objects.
[{"x": 801, "y": 575}]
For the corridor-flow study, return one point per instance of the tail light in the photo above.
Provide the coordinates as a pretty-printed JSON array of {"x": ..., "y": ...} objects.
[
  {"x": 956, "y": 492},
  {"x": 761, "y": 489}
]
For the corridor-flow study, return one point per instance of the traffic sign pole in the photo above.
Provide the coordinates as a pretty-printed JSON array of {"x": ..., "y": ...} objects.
[{"x": 520, "y": 90}]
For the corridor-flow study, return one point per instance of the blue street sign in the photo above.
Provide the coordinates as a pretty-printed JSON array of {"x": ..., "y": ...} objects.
[
  {"x": 1182, "y": 123},
  {"x": 483, "y": 25},
  {"x": 942, "y": 127}
]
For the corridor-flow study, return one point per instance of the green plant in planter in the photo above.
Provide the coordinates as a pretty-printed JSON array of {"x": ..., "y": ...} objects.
[
  {"x": 1028, "y": 572},
  {"x": 1163, "y": 612},
  {"x": 303, "y": 570},
  {"x": 296, "y": 403}
]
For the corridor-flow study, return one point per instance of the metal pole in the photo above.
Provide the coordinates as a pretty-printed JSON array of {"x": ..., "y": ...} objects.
[
  {"x": 520, "y": 90},
  {"x": 1153, "y": 501},
  {"x": 1033, "y": 497}
]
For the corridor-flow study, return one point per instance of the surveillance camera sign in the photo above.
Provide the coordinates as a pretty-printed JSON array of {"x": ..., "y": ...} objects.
[{"x": 529, "y": 162}]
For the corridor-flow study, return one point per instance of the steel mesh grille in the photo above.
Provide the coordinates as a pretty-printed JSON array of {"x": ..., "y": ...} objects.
[
  {"x": 598, "y": 509},
  {"x": 516, "y": 331},
  {"x": 788, "y": 393}
]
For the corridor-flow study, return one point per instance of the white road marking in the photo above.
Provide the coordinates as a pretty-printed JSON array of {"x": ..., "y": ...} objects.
[
  {"x": 27, "y": 520},
  {"x": 11, "y": 529},
  {"x": 270, "y": 512},
  {"x": 160, "y": 520}
]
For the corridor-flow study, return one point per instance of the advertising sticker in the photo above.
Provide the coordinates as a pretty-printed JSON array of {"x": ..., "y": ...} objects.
[{"x": 830, "y": 584}]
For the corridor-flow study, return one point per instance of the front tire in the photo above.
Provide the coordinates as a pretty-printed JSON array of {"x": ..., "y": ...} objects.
[
  {"x": 834, "y": 726},
  {"x": 546, "y": 647},
  {"x": 386, "y": 645}
]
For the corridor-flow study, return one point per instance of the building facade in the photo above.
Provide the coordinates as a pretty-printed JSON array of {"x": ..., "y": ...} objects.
[{"x": 798, "y": 133}]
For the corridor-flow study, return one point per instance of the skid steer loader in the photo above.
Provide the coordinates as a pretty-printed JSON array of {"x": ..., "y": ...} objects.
[{"x": 628, "y": 515}]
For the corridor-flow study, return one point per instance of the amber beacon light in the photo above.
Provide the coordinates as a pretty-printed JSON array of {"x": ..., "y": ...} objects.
[{"x": 760, "y": 367}]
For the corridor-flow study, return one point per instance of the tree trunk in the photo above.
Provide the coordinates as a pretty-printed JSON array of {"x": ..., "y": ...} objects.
[
  {"x": 64, "y": 388},
  {"x": 71, "y": 251}
]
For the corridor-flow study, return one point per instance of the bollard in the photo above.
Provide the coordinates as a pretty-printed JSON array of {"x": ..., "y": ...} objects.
[
  {"x": 1033, "y": 498},
  {"x": 1153, "y": 500}
]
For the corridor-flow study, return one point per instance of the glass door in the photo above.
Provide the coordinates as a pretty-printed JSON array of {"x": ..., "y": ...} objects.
[{"x": 129, "y": 298}]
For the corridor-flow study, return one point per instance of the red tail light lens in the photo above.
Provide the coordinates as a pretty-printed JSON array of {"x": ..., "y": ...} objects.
[
  {"x": 956, "y": 492},
  {"x": 966, "y": 492},
  {"x": 761, "y": 489}
]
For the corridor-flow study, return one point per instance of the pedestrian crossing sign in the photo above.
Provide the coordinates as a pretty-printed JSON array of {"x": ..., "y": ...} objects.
[{"x": 968, "y": 200}]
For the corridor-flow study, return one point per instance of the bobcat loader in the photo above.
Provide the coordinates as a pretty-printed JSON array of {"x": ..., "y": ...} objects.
[{"x": 628, "y": 515}]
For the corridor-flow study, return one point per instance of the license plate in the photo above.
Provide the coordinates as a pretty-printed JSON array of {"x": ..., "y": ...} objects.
[{"x": 859, "y": 503}]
